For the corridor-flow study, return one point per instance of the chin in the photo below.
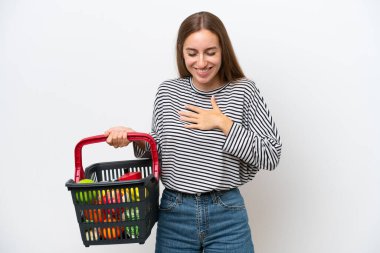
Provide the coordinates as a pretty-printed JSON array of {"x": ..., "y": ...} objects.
[{"x": 204, "y": 80}]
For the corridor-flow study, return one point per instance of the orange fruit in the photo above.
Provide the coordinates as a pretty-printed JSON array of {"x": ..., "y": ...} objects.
[{"x": 111, "y": 232}]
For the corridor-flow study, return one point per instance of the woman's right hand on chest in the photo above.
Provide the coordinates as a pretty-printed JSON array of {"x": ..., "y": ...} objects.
[{"x": 117, "y": 136}]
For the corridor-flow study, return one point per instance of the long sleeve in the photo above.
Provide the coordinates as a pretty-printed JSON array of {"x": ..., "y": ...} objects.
[
  {"x": 257, "y": 143},
  {"x": 155, "y": 129}
]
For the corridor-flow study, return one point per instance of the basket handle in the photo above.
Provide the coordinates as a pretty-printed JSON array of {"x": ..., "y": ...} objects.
[{"x": 132, "y": 136}]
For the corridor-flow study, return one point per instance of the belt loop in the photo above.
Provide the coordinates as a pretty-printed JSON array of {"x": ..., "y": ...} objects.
[{"x": 179, "y": 197}]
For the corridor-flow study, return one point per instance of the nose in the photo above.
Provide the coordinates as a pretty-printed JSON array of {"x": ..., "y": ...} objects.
[{"x": 201, "y": 63}]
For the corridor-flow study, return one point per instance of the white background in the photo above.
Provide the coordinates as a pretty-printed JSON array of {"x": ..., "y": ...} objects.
[{"x": 72, "y": 69}]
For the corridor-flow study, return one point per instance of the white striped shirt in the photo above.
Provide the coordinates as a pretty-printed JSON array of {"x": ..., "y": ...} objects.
[{"x": 196, "y": 161}]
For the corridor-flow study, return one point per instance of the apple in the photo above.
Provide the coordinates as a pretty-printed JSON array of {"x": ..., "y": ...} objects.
[
  {"x": 86, "y": 181},
  {"x": 85, "y": 196}
]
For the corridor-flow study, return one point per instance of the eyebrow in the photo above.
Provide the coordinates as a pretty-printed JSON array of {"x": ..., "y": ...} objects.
[{"x": 193, "y": 49}]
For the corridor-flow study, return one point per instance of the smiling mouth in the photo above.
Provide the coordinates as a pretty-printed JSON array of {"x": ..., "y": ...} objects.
[{"x": 203, "y": 71}]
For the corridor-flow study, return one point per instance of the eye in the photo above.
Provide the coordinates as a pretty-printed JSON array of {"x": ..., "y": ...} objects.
[
  {"x": 211, "y": 53},
  {"x": 190, "y": 52}
]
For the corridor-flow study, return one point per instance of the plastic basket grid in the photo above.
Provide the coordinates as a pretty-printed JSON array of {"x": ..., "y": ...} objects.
[{"x": 113, "y": 212}]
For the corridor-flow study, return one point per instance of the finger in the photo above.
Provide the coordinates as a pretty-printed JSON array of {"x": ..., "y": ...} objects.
[
  {"x": 193, "y": 108},
  {"x": 187, "y": 119},
  {"x": 188, "y": 114},
  {"x": 109, "y": 140},
  {"x": 192, "y": 126},
  {"x": 112, "y": 129},
  {"x": 113, "y": 141},
  {"x": 213, "y": 103},
  {"x": 120, "y": 139}
]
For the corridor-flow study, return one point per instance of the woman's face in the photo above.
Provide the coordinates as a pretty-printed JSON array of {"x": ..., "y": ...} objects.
[{"x": 203, "y": 58}]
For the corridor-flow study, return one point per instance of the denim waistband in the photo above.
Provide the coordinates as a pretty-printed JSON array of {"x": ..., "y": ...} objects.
[
  {"x": 212, "y": 194},
  {"x": 217, "y": 192}
]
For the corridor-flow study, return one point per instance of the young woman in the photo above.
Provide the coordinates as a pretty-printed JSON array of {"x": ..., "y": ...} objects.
[{"x": 214, "y": 133}]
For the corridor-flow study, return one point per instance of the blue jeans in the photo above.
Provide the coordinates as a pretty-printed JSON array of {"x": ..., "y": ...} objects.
[{"x": 214, "y": 222}]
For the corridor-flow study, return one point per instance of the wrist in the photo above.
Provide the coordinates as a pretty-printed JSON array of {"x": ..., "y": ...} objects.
[{"x": 225, "y": 124}]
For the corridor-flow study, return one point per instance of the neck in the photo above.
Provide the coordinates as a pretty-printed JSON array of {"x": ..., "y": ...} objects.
[{"x": 215, "y": 84}]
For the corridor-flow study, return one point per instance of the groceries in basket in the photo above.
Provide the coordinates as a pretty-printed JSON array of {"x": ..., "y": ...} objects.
[
  {"x": 84, "y": 197},
  {"x": 130, "y": 176},
  {"x": 116, "y": 202}
]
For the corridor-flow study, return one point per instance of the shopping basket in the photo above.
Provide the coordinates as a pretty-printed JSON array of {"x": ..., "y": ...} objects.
[{"x": 111, "y": 211}]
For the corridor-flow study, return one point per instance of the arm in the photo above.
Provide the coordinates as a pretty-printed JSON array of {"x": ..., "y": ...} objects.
[
  {"x": 258, "y": 143},
  {"x": 142, "y": 149}
]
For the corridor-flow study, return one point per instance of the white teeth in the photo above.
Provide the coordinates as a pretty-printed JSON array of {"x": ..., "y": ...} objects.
[{"x": 203, "y": 70}]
